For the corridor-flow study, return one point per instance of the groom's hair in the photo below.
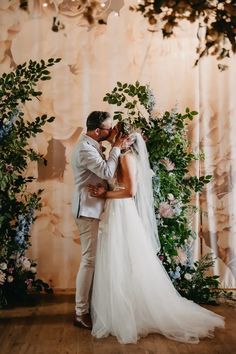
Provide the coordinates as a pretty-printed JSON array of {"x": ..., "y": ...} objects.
[{"x": 95, "y": 119}]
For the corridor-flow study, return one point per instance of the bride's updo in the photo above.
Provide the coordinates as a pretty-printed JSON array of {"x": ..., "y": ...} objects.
[{"x": 126, "y": 128}]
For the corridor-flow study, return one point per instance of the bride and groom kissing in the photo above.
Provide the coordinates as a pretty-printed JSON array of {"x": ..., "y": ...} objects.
[{"x": 122, "y": 288}]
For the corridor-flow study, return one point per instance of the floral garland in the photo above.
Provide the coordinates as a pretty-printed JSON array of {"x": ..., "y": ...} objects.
[{"x": 173, "y": 186}]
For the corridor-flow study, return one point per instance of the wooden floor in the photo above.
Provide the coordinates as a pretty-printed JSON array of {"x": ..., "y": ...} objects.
[{"x": 47, "y": 329}]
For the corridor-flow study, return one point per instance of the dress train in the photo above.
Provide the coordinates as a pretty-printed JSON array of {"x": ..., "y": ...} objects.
[{"x": 132, "y": 293}]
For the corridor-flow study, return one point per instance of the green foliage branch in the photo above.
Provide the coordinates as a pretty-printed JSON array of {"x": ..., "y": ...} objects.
[{"x": 17, "y": 204}]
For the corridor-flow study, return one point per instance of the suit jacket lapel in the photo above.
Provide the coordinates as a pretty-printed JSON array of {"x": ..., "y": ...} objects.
[{"x": 94, "y": 143}]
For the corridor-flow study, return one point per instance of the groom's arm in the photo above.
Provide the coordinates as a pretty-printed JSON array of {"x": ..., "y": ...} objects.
[
  {"x": 129, "y": 183},
  {"x": 96, "y": 164}
]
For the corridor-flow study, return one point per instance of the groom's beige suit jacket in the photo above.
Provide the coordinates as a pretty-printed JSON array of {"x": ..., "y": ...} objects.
[{"x": 90, "y": 167}]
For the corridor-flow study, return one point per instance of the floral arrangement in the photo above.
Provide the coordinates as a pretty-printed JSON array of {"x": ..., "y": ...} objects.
[
  {"x": 170, "y": 156},
  {"x": 18, "y": 273}
]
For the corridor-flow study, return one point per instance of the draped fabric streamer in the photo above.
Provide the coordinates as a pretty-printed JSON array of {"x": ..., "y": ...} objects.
[{"x": 92, "y": 61}]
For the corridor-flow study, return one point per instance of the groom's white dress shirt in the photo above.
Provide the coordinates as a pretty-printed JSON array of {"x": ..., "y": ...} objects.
[{"x": 90, "y": 167}]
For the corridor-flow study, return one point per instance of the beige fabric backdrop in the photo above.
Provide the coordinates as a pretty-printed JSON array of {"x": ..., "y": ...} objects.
[{"x": 92, "y": 61}]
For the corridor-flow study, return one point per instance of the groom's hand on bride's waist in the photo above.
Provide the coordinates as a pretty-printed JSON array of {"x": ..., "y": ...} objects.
[{"x": 98, "y": 191}]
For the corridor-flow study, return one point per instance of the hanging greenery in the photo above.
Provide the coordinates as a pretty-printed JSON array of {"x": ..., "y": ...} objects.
[
  {"x": 170, "y": 156},
  {"x": 216, "y": 20},
  {"x": 18, "y": 273},
  {"x": 216, "y": 17}
]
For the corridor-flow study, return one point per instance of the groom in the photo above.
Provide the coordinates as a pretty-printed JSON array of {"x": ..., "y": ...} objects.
[{"x": 90, "y": 167}]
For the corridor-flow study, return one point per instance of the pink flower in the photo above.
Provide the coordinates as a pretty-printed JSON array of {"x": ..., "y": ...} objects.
[
  {"x": 169, "y": 165},
  {"x": 166, "y": 210},
  {"x": 176, "y": 260},
  {"x": 161, "y": 258},
  {"x": 28, "y": 282},
  {"x": 145, "y": 138},
  {"x": 10, "y": 270},
  {"x": 9, "y": 168}
]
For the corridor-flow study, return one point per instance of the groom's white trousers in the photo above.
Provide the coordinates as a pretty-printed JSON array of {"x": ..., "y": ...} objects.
[{"x": 88, "y": 230}]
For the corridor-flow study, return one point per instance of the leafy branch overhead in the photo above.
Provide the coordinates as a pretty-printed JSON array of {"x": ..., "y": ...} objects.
[{"x": 216, "y": 17}]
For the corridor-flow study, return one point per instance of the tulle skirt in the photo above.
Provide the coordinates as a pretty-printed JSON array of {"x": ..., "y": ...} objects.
[{"x": 132, "y": 293}]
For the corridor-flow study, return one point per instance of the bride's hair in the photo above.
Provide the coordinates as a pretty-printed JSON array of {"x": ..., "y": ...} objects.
[
  {"x": 122, "y": 127},
  {"x": 125, "y": 128}
]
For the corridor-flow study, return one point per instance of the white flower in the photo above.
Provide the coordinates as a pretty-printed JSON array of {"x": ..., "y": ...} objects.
[
  {"x": 170, "y": 196},
  {"x": 2, "y": 277},
  {"x": 150, "y": 98},
  {"x": 33, "y": 269},
  {"x": 3, "y": 266},
  {"x": 177, "y": 209},
  {"x": 10, "y": 278},
  {"x": 166, "y": 210},
  {"x": 188, "y": 276}
]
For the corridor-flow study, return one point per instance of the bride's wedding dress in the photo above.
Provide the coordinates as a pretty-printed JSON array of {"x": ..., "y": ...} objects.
[{"x": 132, "y": 293}]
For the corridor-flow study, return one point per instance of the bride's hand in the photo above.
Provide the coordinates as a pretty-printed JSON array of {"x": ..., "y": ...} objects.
[
  {"x": 98, "y": 191},
  {"x": 120, "y": 141}
]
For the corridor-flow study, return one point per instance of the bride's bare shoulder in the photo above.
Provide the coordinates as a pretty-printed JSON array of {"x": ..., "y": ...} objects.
[{"x": 127, "y": 159}]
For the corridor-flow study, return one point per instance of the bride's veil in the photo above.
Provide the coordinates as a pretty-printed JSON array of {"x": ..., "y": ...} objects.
[{"x": 144, "y": 196}]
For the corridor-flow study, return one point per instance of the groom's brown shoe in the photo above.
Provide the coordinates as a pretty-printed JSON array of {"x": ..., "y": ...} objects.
[{"x": 83, "y": 321}]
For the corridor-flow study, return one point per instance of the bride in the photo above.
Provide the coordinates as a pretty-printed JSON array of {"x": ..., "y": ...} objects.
[{"x": 132, "y": 293}]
